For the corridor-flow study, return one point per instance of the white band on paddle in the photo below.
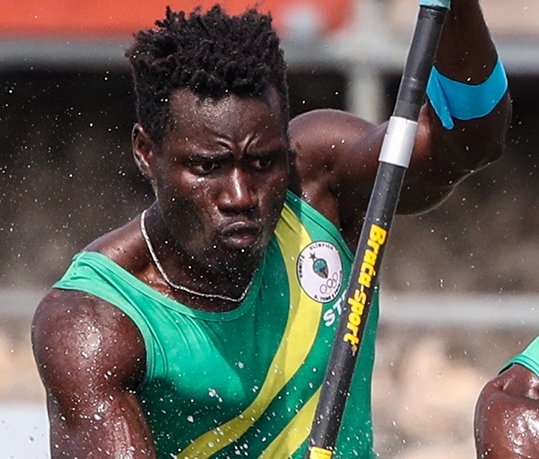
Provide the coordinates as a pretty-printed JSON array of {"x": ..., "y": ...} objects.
[{"x": 398, "y": 142}]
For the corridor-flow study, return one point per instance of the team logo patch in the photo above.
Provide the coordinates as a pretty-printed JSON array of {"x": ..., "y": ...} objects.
[{"x": 319, "y": 270}]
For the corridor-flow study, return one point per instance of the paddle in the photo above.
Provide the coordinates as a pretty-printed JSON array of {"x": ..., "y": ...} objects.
[{"x": 394, "y": 159}]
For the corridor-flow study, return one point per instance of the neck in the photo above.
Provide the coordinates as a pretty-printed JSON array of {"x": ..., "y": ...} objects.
[{"x": 210, "y": 295}]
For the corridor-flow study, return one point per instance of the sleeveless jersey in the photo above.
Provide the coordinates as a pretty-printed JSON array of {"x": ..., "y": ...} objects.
[{"x": 245, "y": 383}]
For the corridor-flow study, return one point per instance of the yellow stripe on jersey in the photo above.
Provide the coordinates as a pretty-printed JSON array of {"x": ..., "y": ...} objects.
[
  {"x": 295, "y": 433},
  {"x": 298, "y": 339}
]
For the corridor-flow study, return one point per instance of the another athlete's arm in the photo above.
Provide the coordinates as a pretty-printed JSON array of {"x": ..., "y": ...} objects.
[
  {"x": 91, "y": 357},
  {"x": 507, "y": 416}
]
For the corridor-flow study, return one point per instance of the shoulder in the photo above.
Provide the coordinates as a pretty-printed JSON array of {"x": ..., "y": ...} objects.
[
  {"x": 507, "y": 397},
  {"x": 506, "y": 415},
  {"x": 516, "y": 381},
  {"x": 82, "y": 341},
  {"x": 334, "y": 162},
  {"x": 125, "y": 246},
  {"x": 318, "y": 129}
]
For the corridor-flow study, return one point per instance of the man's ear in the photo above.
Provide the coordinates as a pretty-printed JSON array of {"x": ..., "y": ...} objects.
[{"x": 143, "y": 151}]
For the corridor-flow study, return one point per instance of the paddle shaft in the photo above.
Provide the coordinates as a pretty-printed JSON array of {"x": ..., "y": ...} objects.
[{"x": 394, "y": 158}]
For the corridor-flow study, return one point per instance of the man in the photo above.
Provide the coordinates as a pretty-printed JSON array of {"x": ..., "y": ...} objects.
[
  {"x": 507, "y": 411},
  {"x": 203, "y": 328}
]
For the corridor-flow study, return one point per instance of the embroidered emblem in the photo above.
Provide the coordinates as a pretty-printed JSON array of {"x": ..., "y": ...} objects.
[{"x": 319, "y": 270}]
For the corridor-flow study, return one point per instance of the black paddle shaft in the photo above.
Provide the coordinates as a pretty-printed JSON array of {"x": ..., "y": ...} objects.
[{"x": 374, "y": 234}]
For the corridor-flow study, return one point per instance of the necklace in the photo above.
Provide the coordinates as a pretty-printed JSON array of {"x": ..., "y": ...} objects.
[{"x": 182, "y": 287}]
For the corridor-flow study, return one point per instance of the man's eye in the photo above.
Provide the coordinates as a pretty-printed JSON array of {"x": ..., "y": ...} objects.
[
  {"x": 262, "y": 163},
  {"x": 205, "y": 166}
]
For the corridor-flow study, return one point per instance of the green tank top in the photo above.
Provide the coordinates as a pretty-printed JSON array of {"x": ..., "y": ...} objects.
[{"x": 246, "y": 383}]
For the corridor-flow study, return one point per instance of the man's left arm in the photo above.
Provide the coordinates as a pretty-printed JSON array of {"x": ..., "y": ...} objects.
[{"x": 335, "y": 154}]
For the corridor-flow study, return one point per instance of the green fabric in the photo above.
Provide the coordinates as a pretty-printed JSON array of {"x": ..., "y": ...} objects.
[
  {"x": 528, "y": 358},
  {"x": 220, "y": 374}
]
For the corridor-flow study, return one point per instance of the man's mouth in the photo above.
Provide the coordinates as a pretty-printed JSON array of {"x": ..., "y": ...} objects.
[{"x": 241, "y": 234}]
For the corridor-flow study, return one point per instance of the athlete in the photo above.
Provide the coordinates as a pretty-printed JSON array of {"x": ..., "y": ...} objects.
[
  {"x": 507, "y": 411},
  {"x": 202, "y": 328}
]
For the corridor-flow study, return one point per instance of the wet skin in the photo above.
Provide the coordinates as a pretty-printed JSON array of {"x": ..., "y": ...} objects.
[
  {"x": 220, "y": 180},
  {"x": 507, "y": 416}
]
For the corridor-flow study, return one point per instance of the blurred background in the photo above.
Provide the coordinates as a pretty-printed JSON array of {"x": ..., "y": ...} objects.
[{"x": 460, "y": 284}]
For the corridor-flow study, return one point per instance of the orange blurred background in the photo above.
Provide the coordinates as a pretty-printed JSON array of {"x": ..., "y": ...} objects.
[{"x": 105, "y": 18}]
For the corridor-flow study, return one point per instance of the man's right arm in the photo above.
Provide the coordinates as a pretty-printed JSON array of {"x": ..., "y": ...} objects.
[
  {"x": 91, "y": 357},
  {"x": 507, "y": 416}
]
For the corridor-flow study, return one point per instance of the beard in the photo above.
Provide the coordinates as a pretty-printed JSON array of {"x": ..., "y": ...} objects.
[
  {"x": 232, "y": 263},
  {"x": 213, "y": 250}
]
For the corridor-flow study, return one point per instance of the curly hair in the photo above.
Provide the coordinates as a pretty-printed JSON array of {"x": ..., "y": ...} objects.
[{"x": 212, "y": 54}]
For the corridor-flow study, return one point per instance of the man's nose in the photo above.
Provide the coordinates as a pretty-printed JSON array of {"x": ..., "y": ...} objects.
[{"x": 238, "y": 193}]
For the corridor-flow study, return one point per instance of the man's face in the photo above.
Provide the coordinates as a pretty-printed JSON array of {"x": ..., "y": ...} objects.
[{"x": 221, "y": 176}]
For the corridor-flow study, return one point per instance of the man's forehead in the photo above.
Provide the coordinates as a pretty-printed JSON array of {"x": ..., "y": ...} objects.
[{"x": 190, "y": 110}]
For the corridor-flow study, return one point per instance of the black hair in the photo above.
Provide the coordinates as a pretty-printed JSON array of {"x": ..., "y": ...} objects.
[{"x": 212, "y": 54}]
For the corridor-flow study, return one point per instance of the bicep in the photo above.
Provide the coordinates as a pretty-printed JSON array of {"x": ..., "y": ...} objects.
[
  {"x": 90, "y": 360},
  {"x": 89, "y": 418},
  {"x": 106, "y": 424}
]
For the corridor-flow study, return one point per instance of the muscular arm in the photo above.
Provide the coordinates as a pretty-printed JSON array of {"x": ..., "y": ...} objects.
[
  {"x": 507, "y": 416},
  {"x": 336, "y": 154},
  {"x": 90, "y": 357}
]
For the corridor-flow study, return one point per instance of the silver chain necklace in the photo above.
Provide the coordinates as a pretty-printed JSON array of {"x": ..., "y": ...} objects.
[{"x": 182, "y": 287}]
